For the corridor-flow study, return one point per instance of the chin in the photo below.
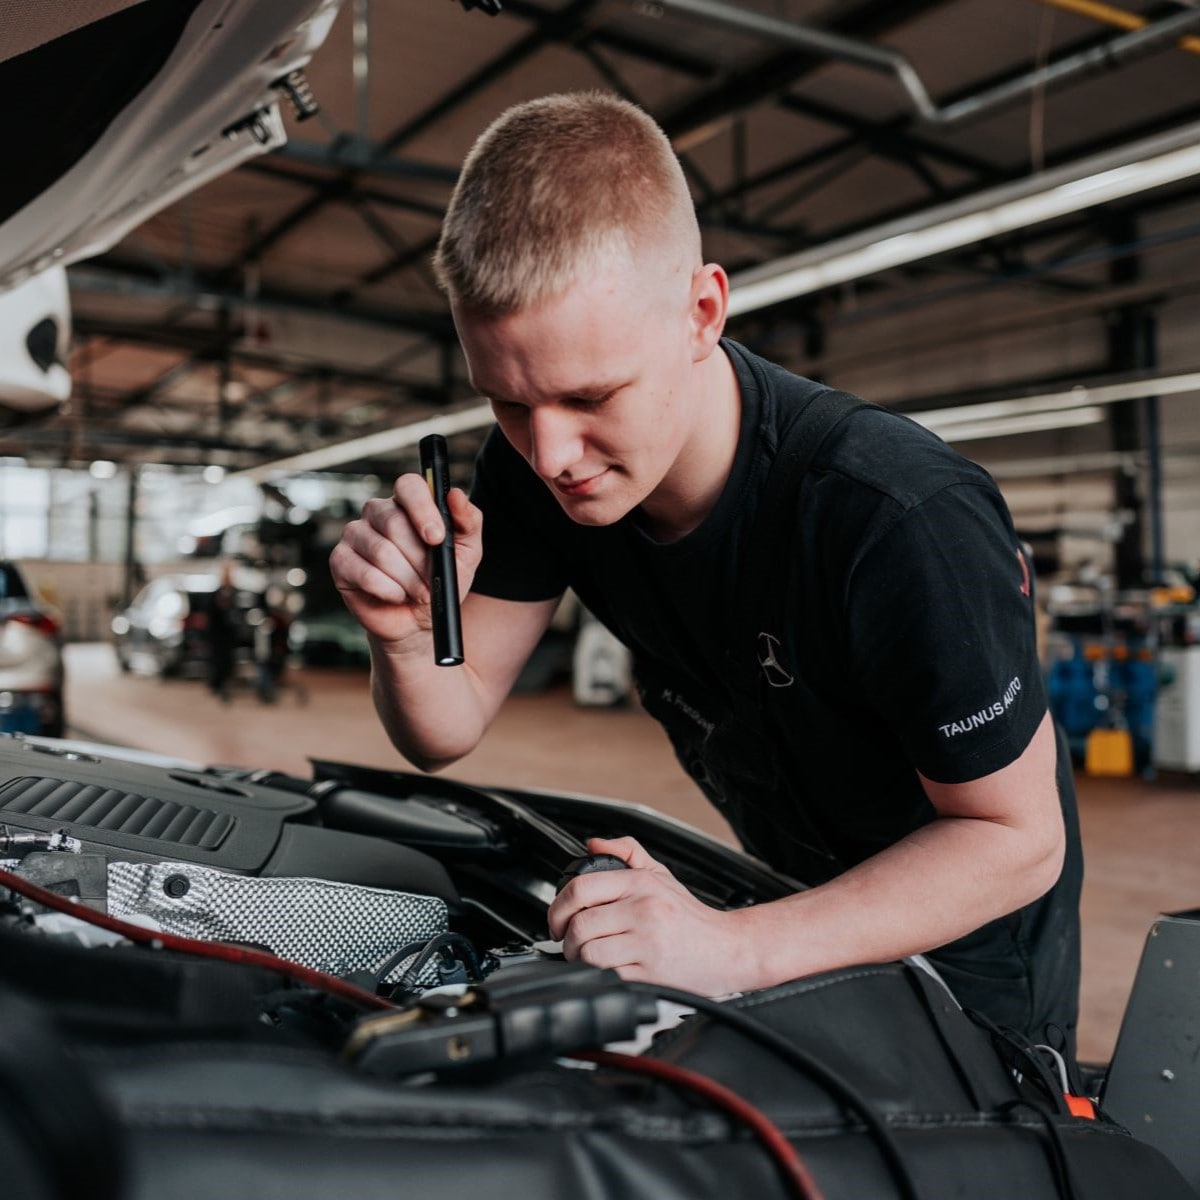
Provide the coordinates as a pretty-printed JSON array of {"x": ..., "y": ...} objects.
[{"x": 589, "y": 511}]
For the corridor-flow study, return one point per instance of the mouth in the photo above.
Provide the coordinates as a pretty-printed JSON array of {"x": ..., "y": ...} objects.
[{"x": 580, "y": 487}]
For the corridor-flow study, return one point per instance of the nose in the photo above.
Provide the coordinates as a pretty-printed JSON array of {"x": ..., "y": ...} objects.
[{"x": 555, "y": 444}]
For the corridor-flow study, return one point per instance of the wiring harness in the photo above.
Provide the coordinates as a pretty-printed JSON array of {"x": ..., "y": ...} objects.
[{"x": 534, "y": 1008}]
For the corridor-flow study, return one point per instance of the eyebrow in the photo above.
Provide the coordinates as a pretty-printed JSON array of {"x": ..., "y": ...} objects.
[{"x": 596, "y": 391}]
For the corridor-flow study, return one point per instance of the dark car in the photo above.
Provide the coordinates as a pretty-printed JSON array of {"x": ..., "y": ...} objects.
[
  {"x": 165, "y": 630},
  {"x": 339, "y": 985},
  {"x": 31, "y": 666}
]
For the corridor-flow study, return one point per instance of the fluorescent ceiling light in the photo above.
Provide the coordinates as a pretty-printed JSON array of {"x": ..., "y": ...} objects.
[
  {"x": 1135, "y": 168},
  {"x": 950, "y": 423},
  {"x": 373, "y": 445},
  {"x": 1076, "y": 397},
  {"x": 969, "y": 431}
]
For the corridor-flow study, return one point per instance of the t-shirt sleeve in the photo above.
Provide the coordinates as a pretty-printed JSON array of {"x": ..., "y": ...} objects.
[
  {"x": 942, "y": 634},
  {"x": 521, "y": 547}
]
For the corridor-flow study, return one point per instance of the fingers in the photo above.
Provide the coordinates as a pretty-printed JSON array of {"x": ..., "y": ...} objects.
[
  {"x": 585, "y": 891},
  {"x": 617, "y": 953},
  {"x": 411, "y": 498},
  {"x": 392, "y": 552},
  {"x": 627, "y": 849},
  {"x": 385, "y": 553},
  {"x": 352, "y": 573},
  {"x": 593, "y": 924}
]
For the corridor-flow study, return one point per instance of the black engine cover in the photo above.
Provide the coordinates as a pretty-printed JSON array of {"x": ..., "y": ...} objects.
[{"x": 135, "y": 812}]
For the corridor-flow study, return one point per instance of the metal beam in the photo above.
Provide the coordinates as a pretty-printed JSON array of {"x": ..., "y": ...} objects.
[
  {"x": 347, "y": 153},
  {"x": 999, "y": 391},
  {"x": 202, "y": 346},
  {"x": 569, "y": 18},
  {"x": 56, "y": 437},
  {"x": 114, "y": 276},
  {"x": 944, "y": 336},
  {"x": 271, "y": 169}
]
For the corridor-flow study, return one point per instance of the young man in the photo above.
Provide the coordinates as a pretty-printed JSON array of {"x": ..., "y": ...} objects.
[{"x": 884, "y": 737}]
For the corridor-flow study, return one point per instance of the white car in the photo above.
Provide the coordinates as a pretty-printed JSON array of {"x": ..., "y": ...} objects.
[
  {"x": 31, "y": 668},
  {"x": 35, "y": 332}
]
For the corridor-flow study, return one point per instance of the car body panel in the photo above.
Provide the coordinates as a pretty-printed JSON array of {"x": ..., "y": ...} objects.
[{"x": 212, "y": 105}]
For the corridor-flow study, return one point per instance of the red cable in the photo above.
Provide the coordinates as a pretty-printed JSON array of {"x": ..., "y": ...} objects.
[
  {"x": 242, "y": 955},
  {"x": 759, "y": 1123},
  {"x": 767, "y": 1132}
]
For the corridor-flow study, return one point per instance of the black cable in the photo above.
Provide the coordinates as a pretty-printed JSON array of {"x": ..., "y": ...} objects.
[
  {"x": 443, "y": 941},
  {"x": 804, "y": 1063},
  {"x": 394, "y": 961},
  {"x": 425, "y": 952}
]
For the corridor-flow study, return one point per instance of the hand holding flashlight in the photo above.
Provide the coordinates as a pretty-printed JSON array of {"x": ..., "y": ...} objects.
[
  {"x": 443, "y": 570},
  {"x": 388, "y": 559}
]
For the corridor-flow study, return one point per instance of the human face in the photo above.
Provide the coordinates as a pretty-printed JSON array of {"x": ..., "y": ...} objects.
[{"x": 594, "y": 387}]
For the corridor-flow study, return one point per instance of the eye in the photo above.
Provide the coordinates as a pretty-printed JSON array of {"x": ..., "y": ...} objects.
[
  {"x": 589, "y": 403},
  {"x": 507, "y": 408}
]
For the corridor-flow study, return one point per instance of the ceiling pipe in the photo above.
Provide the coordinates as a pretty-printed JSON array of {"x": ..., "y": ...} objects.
[
  {"x": 1118, "y": 50},
  {"x": 1121, "y": 18},
  {"x": 879, "y": 58}
]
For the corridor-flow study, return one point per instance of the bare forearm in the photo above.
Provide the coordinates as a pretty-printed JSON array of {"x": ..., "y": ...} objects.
[
  {"x": 433, "y": 715},
  {"x": 937, "y": 884}
]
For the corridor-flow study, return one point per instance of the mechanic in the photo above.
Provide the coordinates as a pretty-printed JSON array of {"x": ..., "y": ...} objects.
[{"x": 884, "y": 737}]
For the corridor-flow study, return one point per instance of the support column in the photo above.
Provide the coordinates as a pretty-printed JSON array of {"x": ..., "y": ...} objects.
[
  {"x": 1154, "y": 499},
  {"x": 1127, "y": 346},
  {"x": 132, "y": 574}
]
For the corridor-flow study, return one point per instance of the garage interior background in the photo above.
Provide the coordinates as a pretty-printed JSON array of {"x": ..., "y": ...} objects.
[{"x": 287, "y": 308}]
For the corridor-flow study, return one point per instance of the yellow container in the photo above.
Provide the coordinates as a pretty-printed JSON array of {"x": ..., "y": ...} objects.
[{"x": 1109, "y": 752}]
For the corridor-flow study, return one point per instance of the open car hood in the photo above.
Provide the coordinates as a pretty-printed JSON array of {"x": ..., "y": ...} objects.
[{"x": 126, "y": 107}]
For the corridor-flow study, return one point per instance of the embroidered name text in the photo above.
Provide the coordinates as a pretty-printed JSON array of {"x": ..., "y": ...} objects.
[{"x": 984, "y": 715}]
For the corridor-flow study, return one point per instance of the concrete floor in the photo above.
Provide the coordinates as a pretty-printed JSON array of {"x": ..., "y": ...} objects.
[{"x": 1141, "y": 839}]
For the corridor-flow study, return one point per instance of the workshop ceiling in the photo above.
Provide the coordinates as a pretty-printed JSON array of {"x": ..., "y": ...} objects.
[{"x": 291, "y": 302}]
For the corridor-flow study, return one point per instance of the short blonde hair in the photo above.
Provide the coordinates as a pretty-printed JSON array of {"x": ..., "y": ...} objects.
[{"x": 547, "y": 188}]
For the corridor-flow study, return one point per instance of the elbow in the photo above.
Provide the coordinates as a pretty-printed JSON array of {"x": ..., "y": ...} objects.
[
  {"x": 425, "y": 757},
  {"x": 1047, "y": 855}
]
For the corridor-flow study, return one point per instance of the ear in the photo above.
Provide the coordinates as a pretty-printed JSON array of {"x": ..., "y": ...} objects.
[{"x": 709, "y": 306}]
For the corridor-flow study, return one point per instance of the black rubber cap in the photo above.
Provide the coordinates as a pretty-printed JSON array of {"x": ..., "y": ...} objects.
[
  {"x": 588, "y": 864},
  {"x": 177, "y": 886}
]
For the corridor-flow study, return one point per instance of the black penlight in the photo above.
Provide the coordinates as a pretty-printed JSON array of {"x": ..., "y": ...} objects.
[{"x": 443, "y": 571}]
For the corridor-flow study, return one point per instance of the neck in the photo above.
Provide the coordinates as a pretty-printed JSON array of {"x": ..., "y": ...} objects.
[{"x": 692, "y": 487}]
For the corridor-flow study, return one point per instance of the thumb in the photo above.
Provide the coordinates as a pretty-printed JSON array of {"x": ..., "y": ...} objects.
[
  {"x": 467, "y": 517},
  {"x": 627, "y": 849}
]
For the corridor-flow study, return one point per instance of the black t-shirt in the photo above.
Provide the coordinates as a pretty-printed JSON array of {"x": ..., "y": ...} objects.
[
  {"x": 896, "y": 636},
  {"x": 906, "y": 641}
]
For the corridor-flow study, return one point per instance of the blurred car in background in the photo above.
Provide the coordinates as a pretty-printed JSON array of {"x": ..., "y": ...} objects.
[
  {"x": 331, "y": 639},
  {"x": 31, "y": 665},
  {"x": 165, "y": 630}
]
